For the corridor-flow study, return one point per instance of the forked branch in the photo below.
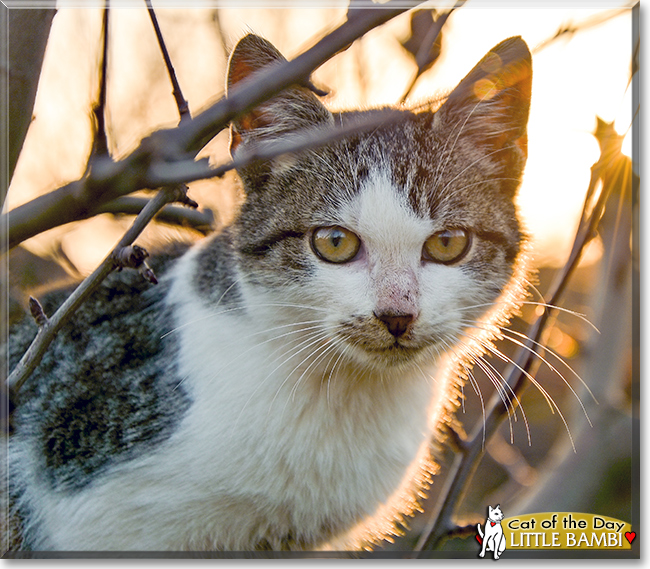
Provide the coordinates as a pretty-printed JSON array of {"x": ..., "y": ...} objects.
[{"x": 162, "y": 150}]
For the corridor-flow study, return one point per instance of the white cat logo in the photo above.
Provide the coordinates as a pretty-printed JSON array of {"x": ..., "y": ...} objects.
[{"x": 492, "y": 539}]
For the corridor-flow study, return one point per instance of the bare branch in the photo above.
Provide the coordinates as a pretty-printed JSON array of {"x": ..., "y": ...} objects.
[
  {"x": 307, "y": 139},
  {"x": 100, "y": 146},
  {"x": 266, "y": 83},
  {"x": 426, "y": 48},
  {"x": 37, "y": 312},
  {"x": 107, "y": 179},
  {"x": 181, "y": 103},
  {"x": 571, "y": 29}
]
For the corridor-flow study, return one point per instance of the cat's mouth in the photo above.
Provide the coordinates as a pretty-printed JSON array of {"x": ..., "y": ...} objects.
[
  {"x": 393, "y": 353},
  {"x": 374, "y": 343}
]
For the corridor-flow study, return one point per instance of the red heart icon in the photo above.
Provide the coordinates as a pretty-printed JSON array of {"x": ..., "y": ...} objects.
[
  {"x": 630, "y": 535},
  {"x": 480, "y": 541}
]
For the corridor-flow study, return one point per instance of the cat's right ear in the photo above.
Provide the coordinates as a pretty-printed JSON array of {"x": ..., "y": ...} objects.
[{"x": 294, "y": 108}]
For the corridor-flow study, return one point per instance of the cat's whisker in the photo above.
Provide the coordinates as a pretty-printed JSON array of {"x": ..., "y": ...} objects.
[
  {"x": 346, "y": 348},
  {"x": 548, "y": 364},
  {"x": 551, "y": 402},
  {"x": 477, "y": 390},
  {"x": 229, "y": 288},
  {"x": 270, "y": 374},
  {"x": 213, "y": 314},
  {"x": 311, "y": 329},
  {"x": 330, "y": 346},
  {"x": 317, "y": 340},
  {"x": 562, "y": 309},
  {"x": 310, "y": 325},
  {"x": 473, "y": 382},
  {"x": 503, "y": 388},
  {"x": 504, "y": 334},
  {"x": 500, "y": 385},
  {"x": 511, "y": 396},
  {"x": 426, "y": 377}
]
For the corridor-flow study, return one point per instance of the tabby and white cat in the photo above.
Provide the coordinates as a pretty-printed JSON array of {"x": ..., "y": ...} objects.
[{"x": 278, "y": 388}]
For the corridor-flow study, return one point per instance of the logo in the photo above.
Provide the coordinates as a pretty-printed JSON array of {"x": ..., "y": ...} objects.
[
  {"x": 552, "y": 531},
  {"x": 492, "y": 539}
]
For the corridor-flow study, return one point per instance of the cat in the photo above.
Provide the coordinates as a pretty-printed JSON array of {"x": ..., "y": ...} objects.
[
  {"x": 493, "y": 538},
  {"x": 278, "y": 388}
]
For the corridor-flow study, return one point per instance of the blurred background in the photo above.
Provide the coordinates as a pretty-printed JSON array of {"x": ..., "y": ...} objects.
[{"x": 582, "y": 69}]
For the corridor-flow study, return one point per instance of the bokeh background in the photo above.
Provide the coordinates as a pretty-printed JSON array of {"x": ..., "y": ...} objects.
[{"x": 581, "y": 73}]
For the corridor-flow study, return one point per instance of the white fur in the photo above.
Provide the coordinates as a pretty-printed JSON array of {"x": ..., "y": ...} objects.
[{"x": 282, "y": 435}]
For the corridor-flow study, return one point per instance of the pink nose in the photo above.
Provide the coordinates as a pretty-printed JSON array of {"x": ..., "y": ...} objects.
[{"x": 397, "y": 324}]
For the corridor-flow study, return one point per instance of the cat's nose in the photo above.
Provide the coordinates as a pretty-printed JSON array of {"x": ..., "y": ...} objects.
[{"x": 397, "y": 324}]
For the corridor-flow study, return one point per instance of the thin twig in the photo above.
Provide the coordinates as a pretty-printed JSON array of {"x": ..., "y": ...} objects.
[
  {"x": 427, "y": 44},
  {"x": 266, "y": 83},
  {"x": 181, "y": 102},
  {"x": 202, "y": 221},
  {"x": 465, "y": 463},
  {"x": 100, "y": 147},
  {"x": 572, "y": 28},
  {"x": 48, "y": 330}
]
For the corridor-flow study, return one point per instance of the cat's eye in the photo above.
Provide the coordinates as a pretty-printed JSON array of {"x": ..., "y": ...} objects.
[
  {"x": 447, "y": 246},
  {"x": 335, "y": 244}
]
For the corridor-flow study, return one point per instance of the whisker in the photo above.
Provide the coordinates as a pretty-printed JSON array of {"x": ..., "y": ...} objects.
[
  {"x": 504, "y": 335},
  {"x": 212, "y": 314},
  {"x": 311, "y": 343},
  {"x": 579, "y": 315},
  {"x": 318, "y": 337},
  {"x": 500, "y": 384},
  {"x": 553, "y": 406},
  {"x": 346, "y": 348},
  {"x": 553, "y": 353},
  {"x": 270, "y": 340}
]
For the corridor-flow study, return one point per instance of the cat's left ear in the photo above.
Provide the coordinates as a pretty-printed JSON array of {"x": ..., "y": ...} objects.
[
  {"x": 493, "y": 101},
  {"x": 294, "y": 108}
]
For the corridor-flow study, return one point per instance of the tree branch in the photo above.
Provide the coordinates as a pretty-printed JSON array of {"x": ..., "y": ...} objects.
[
  {"x": 107, "y": 179},
  {"x": 572, "y": 29},
  {"x": 202, "y": 221},
  {"x": 100, "y": 146},
  {"x": 28, "y": 31}
]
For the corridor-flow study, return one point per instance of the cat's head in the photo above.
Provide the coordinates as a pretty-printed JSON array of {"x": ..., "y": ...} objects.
[
  {"x": 495, "y": 514},
  {"x": 400, "y": 237}
]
